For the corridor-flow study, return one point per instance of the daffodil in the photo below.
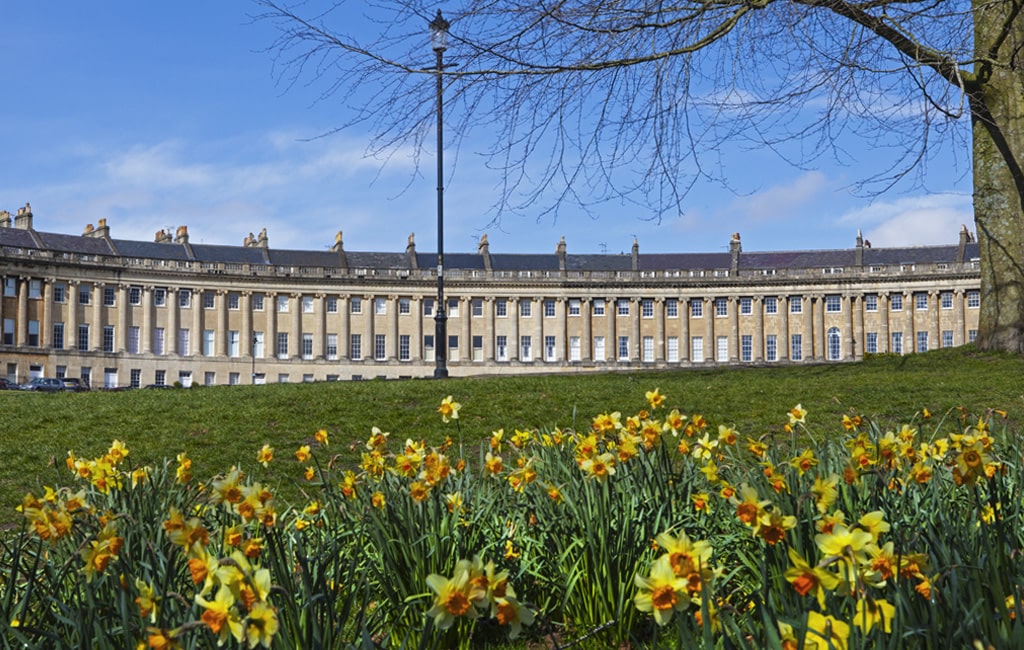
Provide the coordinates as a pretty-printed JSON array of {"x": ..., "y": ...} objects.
[
  {"x": 302, "y": 454},
  {"x": 509, "y": 612},
  {"x": 654, "y": 398},
  {"x": 806, "y": 579},
  {"x": 321, "y": 437},
  {"x": 449, "y": 409},
  {"x": 826, "y": 633},
  {"x": 684, "y": 556},
  {"x": 261, "y": 625},
  {"x": 797, "y": 415},
  {"x": 265, "y": 455},
  {"x": 147, "y": 601},
  {"x": 221, "y": 616},
  {"x": 872, "y": 612},
  {"x": 662, "y": 592},
  {"x": 874, "y": 523},
  {"x": 451, "y": 596}
]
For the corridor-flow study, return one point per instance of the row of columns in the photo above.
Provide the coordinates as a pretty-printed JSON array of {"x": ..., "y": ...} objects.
[{"x": 812, "y": 325}]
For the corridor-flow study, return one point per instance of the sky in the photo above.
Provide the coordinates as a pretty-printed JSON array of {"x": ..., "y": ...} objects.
[{"x": 154, "y": 115}]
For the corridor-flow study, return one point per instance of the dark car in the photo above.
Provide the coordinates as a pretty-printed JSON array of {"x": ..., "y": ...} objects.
[
  {"x": 159, "y": 386},
  {"x": 74, "y": 384},
  {"x": 6, "y": 384},
  {"x": 45, "y": 385}
]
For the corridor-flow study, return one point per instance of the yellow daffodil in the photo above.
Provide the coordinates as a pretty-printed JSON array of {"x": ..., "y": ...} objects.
[
  {"x": 874, "y": 523},
  {"x": 449, "y": 409},
  {"x": 509, "y": 612},
  {"x": 825, "y": 492},
  {"x": 146, "y": 600},
  {"x": 662, "y": 592},
  {"x": 451, "y": 596},
  {"x": 804, "y": 462},
  {"x": 600, "y": 466},
  {"x": 321, "y": 437},
  {"x": 797, "y": 415},
  {"x": 806, "y": 578},
  {"x": 221, "y": 616},
  {"x": 265, "y": 455},
  {"x": 871, "y": 612},
  {"x": 684, "y": 556},
  {"x": 654, "y": 398},
  {"x": 826, "y": 633},
  {"x": 261, "y": 625},
  {"x": 302, "y": 454}
]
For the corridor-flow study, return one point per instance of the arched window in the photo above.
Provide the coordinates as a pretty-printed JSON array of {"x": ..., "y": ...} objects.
[{"x": 833, "y": 344}]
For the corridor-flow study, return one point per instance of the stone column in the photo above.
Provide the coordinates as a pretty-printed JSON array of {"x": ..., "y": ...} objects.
[
  {"x": 734, "y": 330},
  {"x": 857, "y": 307},
  {"x": 513, "y": 319},
  {"x": 959, "y": 323},
  {"x": 21, "y": 328},
  {"x": 369, "y": 347},
  {"x": 847, "y": 340},
  {"x": 934, "y": 335},
  {"x": 46, "y": 317},
  {"x": 586, "y": 334},
  {"x": 344, "y": 316},
  {"x": 684, "y": 330},
  {"x": 466, "y": 330},
  {"x": 908, "y": 323},
  {"x": 295, "y": 338},
  {"x": 561, "y": 330},
  {"x": 489, "y": 329},
  {"x": 171, "y": 331},
  {"x": 611, "y": 345},
  {"x": 220, "y": 347},
  {"x": 808, "y": 327},
  {"x": 320, "y": 324},
  {"x": 71, "y": 330},
  {"x": 96, "y": 330},
  {"x": 659, "y": 330},
  {"x": 270, "y": 337},
  {"x": 246, "y": 333},
  {"x": 783, "y": 328},
  {"x": 393, "y": 327},
  {"x": 710, "y": 344},
  {"x": 146, "y": 336},
  {"x": 758, "y": 351},
  {"x": 884, "y": 344},
  {"x": 121, "y": 330},
  {"x": 416, "y": 338},
  {"x": 635, "y": 352},
  {"x": 198, "y": 320},
  {"x": 818, "y": 305}
]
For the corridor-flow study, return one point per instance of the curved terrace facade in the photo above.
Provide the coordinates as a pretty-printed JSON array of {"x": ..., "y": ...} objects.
[{"x": 119, "y": 312}]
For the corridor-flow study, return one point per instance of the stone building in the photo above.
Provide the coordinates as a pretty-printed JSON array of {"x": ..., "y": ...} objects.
[{"x": 121, "y": 313}]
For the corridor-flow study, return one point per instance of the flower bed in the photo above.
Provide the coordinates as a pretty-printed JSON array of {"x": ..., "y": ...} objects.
[{"x": 657, "y": 529}]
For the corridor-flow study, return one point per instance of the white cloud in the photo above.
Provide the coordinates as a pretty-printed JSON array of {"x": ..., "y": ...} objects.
[
  {"x": 780, "y": 201},
  {"x": 913, "y": 221}
]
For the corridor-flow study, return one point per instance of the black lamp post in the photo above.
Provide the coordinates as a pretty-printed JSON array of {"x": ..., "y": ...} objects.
[{"x": 439, "y": 43}]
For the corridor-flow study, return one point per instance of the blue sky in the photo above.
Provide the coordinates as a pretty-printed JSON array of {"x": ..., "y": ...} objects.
[{"x": 159, "y": 114}]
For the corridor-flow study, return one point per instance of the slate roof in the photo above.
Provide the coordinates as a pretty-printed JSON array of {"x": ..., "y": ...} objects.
[{"x": 208, "y": 253}]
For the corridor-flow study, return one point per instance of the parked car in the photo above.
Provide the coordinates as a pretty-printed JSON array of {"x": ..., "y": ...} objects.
[
  {"x": 6, "y": 384},
  {"x": 45, "y": 385},
  {"x": 159, "y": 386},
  {"x": 74, "y": 384}
]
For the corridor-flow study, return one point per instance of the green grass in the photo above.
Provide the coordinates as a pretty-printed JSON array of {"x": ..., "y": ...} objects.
[{"x": 221, "y": 426}]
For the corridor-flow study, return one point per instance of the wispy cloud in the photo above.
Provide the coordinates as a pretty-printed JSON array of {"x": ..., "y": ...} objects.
[{"x": 917, "y": 220}]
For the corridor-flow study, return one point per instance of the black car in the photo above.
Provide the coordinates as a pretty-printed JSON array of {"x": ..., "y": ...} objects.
[
  {"x": 45, "y": 385},
  {"x": 6, "y": 384}
]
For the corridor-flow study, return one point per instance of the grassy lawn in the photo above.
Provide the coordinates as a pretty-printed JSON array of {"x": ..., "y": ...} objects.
[{"x": 220, "y": 426}]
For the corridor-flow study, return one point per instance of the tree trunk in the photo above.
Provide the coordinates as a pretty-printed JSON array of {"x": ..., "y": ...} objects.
[{"x": 997, "y": 107}]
